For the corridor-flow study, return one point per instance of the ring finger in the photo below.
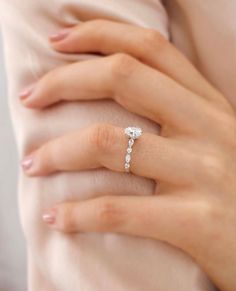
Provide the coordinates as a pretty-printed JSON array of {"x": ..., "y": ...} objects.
[{"x": 104, "y": 145}]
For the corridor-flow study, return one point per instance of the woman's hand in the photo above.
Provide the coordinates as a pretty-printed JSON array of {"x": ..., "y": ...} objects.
[{"x": 193, "y": 160}]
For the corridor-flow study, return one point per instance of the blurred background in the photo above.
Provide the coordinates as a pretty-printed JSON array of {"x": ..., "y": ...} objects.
[{"x": 12, "y": 248}]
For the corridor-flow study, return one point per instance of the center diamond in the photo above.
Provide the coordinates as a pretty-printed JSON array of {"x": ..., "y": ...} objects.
[{"x": 133, "y": 132}]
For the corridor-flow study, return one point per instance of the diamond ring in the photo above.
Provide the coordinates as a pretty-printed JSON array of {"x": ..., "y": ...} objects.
[{"x": 133, "y": 133}]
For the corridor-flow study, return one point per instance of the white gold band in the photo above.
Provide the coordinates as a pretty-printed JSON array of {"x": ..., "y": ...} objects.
[{"x": 133, "y": 133}]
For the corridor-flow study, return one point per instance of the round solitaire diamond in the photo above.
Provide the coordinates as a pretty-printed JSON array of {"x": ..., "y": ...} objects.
[{"x": 133, "y": 132}]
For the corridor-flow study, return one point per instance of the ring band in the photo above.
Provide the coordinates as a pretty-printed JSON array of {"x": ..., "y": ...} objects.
[{"x": 133, "y": 133}]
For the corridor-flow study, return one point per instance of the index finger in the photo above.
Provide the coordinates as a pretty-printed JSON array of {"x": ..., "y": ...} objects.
[{"x": 147, "y": 45}]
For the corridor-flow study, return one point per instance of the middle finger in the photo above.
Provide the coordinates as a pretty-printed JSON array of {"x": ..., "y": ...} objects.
[{"x": 137, "y": 87}]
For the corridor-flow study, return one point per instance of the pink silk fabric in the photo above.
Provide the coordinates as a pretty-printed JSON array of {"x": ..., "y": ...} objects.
[{"x": 205, "y": 31}]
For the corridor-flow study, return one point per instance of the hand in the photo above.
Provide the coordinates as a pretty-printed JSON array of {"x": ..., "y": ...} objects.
[{"x": 193, "y": 160}]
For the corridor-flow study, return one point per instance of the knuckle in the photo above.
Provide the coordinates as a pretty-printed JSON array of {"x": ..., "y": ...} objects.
[
  {"x": 212, "y": 217},
  {"x": 96, "y": 28},
  {"x": 197, "y": 217},
  {"x": 152, "y": 39},
  {"x": 122, "y": 65},
  {"x": 108, "y": 215},
  {"x": 205, "y": 219},
  {"x": 213, "y": 167},
  {"x": 102, "y": 137},
  {"x": 205, "y": 210},
  {"x": 97, "y": 23},
  {"x": 194, "y": 219},
  {"x": 227, "y": 127}
]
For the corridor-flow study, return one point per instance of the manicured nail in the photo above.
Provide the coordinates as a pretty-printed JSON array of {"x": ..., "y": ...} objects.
[
  {"x": 27, "y": 163},
  {"x": 60, "y": 35},
  {"x": 50, "y": 217},
  {"x": 26, "y": 92}
]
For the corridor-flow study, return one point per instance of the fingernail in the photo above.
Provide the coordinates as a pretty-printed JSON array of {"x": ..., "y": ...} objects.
[
  {"x": 26, "y": 92},
  {"x": 27, "y": 163},
  {"x": 50, "y": 217},
  {"x": 62, "y": 34}
]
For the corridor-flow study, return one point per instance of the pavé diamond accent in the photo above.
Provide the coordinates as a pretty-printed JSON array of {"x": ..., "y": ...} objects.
[
  {"x": 131, "y": 142},
  {"x": 129, "y": 150},
  {"x": 127, "y": 166},
  {"x": 127, "y": 158}
]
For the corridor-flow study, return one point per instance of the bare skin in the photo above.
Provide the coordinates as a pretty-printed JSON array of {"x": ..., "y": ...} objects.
[{"x": 193, "y": 160}]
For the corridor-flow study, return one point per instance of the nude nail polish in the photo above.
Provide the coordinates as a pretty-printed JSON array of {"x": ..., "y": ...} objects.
[
  {"x": 27, "y": 163},
  {"x": 58, "y": 36},
  {"x": 50, "y": 217},
  {"x": 26, "y": 92}
]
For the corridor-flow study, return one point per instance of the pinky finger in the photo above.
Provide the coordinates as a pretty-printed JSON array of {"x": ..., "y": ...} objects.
[{"x": 159, "y": 217}]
